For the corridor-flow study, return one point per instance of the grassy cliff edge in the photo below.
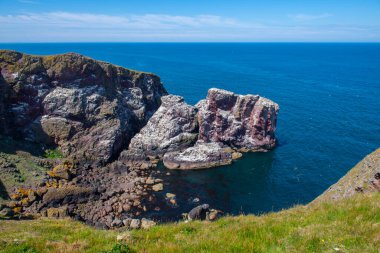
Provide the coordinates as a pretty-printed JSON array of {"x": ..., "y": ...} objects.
[
  {"x": 346, "y": 218},
  {"x": 348, "y": 225}
]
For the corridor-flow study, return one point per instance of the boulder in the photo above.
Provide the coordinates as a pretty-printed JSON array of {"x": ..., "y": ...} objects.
[
  {"x": 146, "y": 223},
  {"x": 199, "y": 212},
  {"x": 158, "y": 187},
  {"x": 60, "y": 212},
  {"x": 135, "y": 224},
  {"x": 245, "y": 123},
  {"x": 7, "y": 212},
  {"x": 214, "y": 214},
  {"x": 116, "y": 223},
  {"x": 172, "y": 127},
  {"x": 56, "y": 195}
]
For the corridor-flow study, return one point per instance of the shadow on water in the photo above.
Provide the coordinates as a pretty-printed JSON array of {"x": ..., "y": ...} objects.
[{"x": 227, "y": 188}]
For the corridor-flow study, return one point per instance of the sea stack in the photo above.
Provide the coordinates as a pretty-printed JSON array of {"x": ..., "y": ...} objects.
[{"x": 228, "y": 124}]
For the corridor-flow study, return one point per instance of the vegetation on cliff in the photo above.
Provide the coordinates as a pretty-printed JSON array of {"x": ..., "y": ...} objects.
[{"x": 348, "y": 225}]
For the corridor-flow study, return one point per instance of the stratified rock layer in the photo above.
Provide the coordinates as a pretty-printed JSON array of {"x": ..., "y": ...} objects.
[
  {"x": 87, "y": 107},
  {"x": 173, "y": 127},
  {"x": 245, "y": 123}
]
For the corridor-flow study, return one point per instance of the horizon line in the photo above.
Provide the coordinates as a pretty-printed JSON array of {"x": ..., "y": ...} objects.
[{"x": 194, "y": 42}]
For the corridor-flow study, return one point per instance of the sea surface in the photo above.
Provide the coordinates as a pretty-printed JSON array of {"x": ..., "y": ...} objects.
[{"x": 329, "y": 119}]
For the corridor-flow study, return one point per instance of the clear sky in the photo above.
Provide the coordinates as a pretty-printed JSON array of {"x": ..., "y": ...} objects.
[{"x": 188, "y": 21}]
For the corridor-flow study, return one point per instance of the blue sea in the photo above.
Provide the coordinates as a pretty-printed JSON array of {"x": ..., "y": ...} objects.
[{"x": 329, "y": 97}]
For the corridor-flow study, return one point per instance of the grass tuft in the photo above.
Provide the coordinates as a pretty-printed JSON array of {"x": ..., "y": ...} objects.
[{"x": 53, "y": 154}]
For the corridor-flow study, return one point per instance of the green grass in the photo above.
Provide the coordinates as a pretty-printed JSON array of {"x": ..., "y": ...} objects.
[
  {"x": 21, "y": 165},
  {"x": 351, "y": 225},
  {"x": 53, "y": 154}
]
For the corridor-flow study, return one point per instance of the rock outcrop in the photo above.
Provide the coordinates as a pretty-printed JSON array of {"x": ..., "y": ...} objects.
[
  {"x": 363, "y": 178},
  {"x": 245, "y": 123},
  {"x": 228, "y": 124},
  {"x": 173, "y": 127},
  {"x": 91, "y": 109},
  {"x": 200, "y": 156}
]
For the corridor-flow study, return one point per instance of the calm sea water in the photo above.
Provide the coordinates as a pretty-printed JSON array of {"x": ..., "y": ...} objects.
[{"x": 329, "y": 97}]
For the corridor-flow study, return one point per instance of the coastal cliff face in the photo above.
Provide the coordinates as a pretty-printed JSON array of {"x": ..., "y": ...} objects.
[
  {"x": 90, "y": 109},
  {"x": 362, "y": 179},
  {"x": 112, "y": 125}
]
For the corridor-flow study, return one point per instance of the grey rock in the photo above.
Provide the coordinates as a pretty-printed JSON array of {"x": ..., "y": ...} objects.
[
  {"x": 195, "y": 200},
  {"x": 136, "y": 159},
  {"x": 7, "y": 212},
  {"x": 199, "y": 212},
  {"x": 116, "y": 223},
  {"x": 200, "y": 156},
  {"x": 135, "y": 224},
  {"x": 172, "y": 127},
  {"x": 127, "y": 222}
]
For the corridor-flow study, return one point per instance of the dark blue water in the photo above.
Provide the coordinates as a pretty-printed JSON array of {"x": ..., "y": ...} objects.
[{"x": 329, "y": 97}]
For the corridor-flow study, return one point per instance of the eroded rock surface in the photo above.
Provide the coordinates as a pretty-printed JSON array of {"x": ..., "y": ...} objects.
[
  {"x": 228, "y": 124},
  {"x": 200, "y": 156},
  {"x": 245, "y": 123},
  {"x": 173, "y": 127},
  {"x": 87, "y": 107}
]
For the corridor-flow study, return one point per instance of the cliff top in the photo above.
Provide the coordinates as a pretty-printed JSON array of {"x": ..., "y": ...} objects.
[
  {"x": 16, "y": 66},
  {"x": 363, "y": 178}
]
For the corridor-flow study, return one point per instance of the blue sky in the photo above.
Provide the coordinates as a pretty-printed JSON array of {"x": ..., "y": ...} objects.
[{"x": 190, "y": 21}]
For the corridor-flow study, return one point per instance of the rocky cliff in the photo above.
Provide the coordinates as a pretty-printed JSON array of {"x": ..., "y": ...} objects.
[
  {"x": 173, "y": 127},
  {"x": 112, "y": 125},
  {"x": 246, "y": 123},
  {"x": 228, "y": 124},
  {"x": 90, "y": 109}
]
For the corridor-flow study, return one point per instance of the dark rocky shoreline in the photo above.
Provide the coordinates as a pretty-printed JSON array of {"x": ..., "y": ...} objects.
[{"x": 113, "y": 126}]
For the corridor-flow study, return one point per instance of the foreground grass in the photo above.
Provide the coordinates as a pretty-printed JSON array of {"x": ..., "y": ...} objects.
[{"x": 351, "y": 225}]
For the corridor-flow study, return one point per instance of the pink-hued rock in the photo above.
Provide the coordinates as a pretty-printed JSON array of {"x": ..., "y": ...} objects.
[
  {"x": 228, "y": 124},
  {"x": 245, "y": 123}
]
